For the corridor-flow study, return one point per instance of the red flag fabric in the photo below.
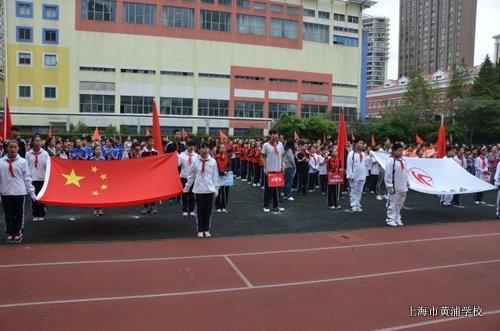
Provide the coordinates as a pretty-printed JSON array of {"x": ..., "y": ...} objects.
[
  {"x": 441, "y": 152},
  {"x": 419, "y": 140},
  {"x": 296, "y": 136},
  {"x": 102, "y": 184},
  {"x": 7, "y": 121},
  {"x": 352, "y": 137},
  {"x": 147, "y": 132},
  {"x": 158, "y": 143},
  {"x": 222, "y": 135},
  {"x": 184, "y": 134},
  {"x": 96, "y": 136},
  {"x": 50, "y": 132},
  {"x": 342, "y": 139},
  {"x": 373, "y": 140},
  {"x": 324, "y": 137}
]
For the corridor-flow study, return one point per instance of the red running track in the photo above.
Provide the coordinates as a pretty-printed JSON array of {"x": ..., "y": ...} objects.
[{"x": 358, "y": 280}]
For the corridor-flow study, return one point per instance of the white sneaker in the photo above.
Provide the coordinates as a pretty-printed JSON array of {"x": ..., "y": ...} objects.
[
  {"x": 224, "y": 210},
  {"x": 339, "y": 207},
  {"x": 96, "y": 213},
  {"x": 185, "y": 214},
  {"x": 219, "y": 210},
  {"x": 399, "y": 223},
  {"x": 153, "y": 211},
  {"x": 482, "y": 202},
  {"x": 254, "y": 184},
  {"x": 243, "y": 180},
  {"x": 386, "y": 197},
  {"x": 332, "y": 207},
  {"x": 291, "y": 199},
  {"x": 41, "y": 218},
  {"x": 207, "y": 234},
  {"x": 280, "y": 209},
  {"x": 145, "y": 211},
  {"x": 477, "y": 202},
  {"x": 266, "y": 210},
  {"x": 392, "y": 223},
  {"x": 359, "y": 209},
  {"x": 192, "y": 214},
  {"x": 354, "y": 209},
  {"x": 100, "y": 214},
  {"x": 35, "y": 219},
  {"x": 371, "y": 192},
  {"x": 379, "y": 197},
  {"x": 200, "y": 235}
]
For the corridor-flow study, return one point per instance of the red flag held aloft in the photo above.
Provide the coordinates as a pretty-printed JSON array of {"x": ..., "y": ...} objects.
[
  {"x": 7, "y": 121},
  {"x": 222, "y": 135},
  {"x": 158, "y": 143},
  {"x": 441, "y": 152},
  {"x": 184, "y": 134},
  {"x": 96, "y": 136},
  {"x": 419, "y": 140},
  {"x": 296, "y": 136},
  {"x": 324, "y": 137},
  {"x": 342, "y": 139},
  {"x": 50, "y": 132},
  {"x": 147, "y": 132},
  {"x": 352, "y": 137},
  {"x": 373, "y": 140},
  {"x": 102, "y": 184}
]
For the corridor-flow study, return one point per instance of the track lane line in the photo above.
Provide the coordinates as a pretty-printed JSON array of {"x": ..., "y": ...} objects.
[{"x": 238, "y": 271}]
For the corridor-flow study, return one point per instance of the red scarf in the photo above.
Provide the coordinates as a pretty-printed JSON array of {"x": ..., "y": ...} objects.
[
  {"x": 360, "y": 157},
  {"x": 484, "y": 161},
  {"x": 275, "y": 147},
  {"x": 402, "y": 164},
  {"x": 36, "y": 158},
  {"x": 314, "y": 159},
  {"x": 190, "y": 159},
  {"x": 203, "y": 166},
  {"x": 11, "y": 169}
]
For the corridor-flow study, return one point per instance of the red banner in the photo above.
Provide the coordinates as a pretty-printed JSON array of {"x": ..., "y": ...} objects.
[
  {"x": 335, "y": 178},
  {"x": 101, "y": 184},
  {"x": 276, "y": 179}
]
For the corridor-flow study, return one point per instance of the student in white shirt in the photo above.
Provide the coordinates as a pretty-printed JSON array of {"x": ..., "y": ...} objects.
[
  {"x": 462, "y": 161},
  {"x": 447, "y": 198},
  {"x": 313, "y": 168},
  {"x": 356, "y": 174},
  {"x": 482, "y": 165},
  {"x": 185, "y": 162},
  {"x": 37, "y": 162},
  {"x": 397, "y": 182}
]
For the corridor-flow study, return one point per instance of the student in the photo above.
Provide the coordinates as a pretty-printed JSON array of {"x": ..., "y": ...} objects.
[
  {"x": 313, "y": 169},
  {"x": 15, "y": 183},
  {"x": 481, "y": 164},
  {"x": 374, "y": 172},
  {"x": 445, "y": 199},
  {"x": 97, "y": 156},
  {"x": 462, "y": 161},
  {"x": 257, "y": 169},
  {"x": 78, "y": 153},
  {"x": 37, "y": 162},
  {"x": 176, "y": 145},
  {"x": 244, "y": 162},
  {"x": 16, "y": 135},
  {"x": 333, "y": 191},
  {"x": 272, "y": 158},
  {"x": 149, "y": 208},
  {"x": 497, "y": 184},
  {"x": 302, "y": 162},
  {"x": 397, "y": 182},
  {"x": 223, "y": 166},
  {"x": 204, "y": 177},
  {"x": 290, "y": 169},
  {"x": 323, "y": 177},
  {"x": 356, "y": 174},
  {"x": 380, "y": 189},
  {"x": 185, "y": 161}
]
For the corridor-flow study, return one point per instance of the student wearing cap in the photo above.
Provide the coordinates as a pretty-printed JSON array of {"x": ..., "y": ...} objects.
[
  {"x": 397, "y": 182},
  {"x": 15, "y": 183},
  {"x": 37, "y": 162}
]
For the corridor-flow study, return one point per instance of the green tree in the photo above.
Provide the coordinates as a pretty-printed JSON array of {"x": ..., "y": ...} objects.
[
  {"x": 457, "y": 90},
  {"x": 486, "y": 83},
  {"x": 111, "y": 131},
  {"x": 287, "y": 125},
  {"x": 81, "y": 128},
  {"x": 318, "y": 125}
]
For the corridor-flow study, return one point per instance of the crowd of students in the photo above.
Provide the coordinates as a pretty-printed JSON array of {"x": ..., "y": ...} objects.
[{"x": 207, "y": 170}]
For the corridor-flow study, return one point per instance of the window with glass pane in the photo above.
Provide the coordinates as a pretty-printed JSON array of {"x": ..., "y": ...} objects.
[
  {"x": 24, "y": 59},
  {"x": 50, "y": 60},
  {"x": 92, "y": 103},
  {"x": 309, "y": 12},
  {"x": 136, "y": 105},
  {"x": 249, "y": 109},
  {"x": 98, "y": 10},
  {"x": 284, "y": 28},
  {"x": 276, "y": 109},
  {"x": 259, "y": 6},
  {"x": 277, "y": 8},
  {"x": 352, "y": 19},
  {"x": 24, "y": 91},
  {"x": 225, "y": 3},
  {"x": 292, "y": 10},
  {"x": 207, "y": 107},
  {"x": 178, "y": 17},
  {"x": 324, "y": 14},
  {"x": 215, "y": 20},
  {"x": 316, "y": 32},
  {"x": 24, "y": 34},
  {"x": 312, "y": 110},
  {"x": 251, "y": 24},
  {"x": 50, "y": 12},
  {"x": 339, "y": 17},
  {"x": 176, "y": 106},
  {"x": 24, "y": 9},
  {"x": 243, "y": 3},
  {"x": 50, "y": 36},
  {"x": 49, "y": 93},
  {"x": 139, "y": 13}
]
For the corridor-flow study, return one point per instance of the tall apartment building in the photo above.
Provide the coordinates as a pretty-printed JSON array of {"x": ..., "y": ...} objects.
[
  {"x": 377, "y": 29},
  {"x": 435, "y": 34},
  {"x": 210, "y": 64}
]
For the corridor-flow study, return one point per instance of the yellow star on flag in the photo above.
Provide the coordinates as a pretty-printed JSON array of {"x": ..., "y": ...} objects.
[
  {"x": 94, "y": 169},
  {"x": 104, "y": 187},
  {"x": 95, "y": 193},
  {"x": 104, "y": 176},
  {"x": 72, "y": 178}
]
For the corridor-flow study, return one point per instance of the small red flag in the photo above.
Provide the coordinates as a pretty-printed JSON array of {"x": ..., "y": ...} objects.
[
  {"x": 419, "y": 140},
  {"x": 222, "y": 135},
  {"x": 102, "y": 184},
  {"x": 441, "y": 152},
  {"x": 296, "y": 136},
  {"x": 96, "y": 135},
  {"x": 158, "y": 143},
  {"x": 373, "y": 140},
  {"x": 147, "y": 132},
  {"x": 352, "y": 137},
  {"x": 50, "y": 132},
  {"x": 184, "y": 134},
  {"x": 324, "y": 137},
  {"x": 7, "y": 121}
]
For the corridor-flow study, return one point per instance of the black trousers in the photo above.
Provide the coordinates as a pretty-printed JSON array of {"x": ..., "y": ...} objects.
[
  {"x": 221, "y": 200},
  {"x": 243, "y": 169},
  {"x": 237, "y": 168},
  {"x": 250, "y": 171},
  {"x": 204, "y": 210},
  {"x": 303, "y": 178},
  {"x": 373, "y": 182},
  {"x": 233, "y": 165},
  {"x": 322, "y": 182},
  {"x": 37, "y": 208},
  {"x": 456, "y": 199},
  {"x": 270, "y": 192},
  {"x": 479, "y": 196},
  {"x": 295, "y": 181},
  {"x": 312, "y": 180},
  {"x": 333, "y": 194},
  {"x": 256, "y": 173},
  {"x": 13, "y": 207},
  {"x": 188, "y": 199}
]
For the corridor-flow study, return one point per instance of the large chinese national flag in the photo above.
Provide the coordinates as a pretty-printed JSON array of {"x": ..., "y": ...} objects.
[{"x": 101, "y": 184}]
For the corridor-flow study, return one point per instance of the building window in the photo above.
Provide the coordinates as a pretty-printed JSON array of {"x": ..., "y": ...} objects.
[
  {"x": 215, "y": 21},
  {"x": 284, "y": 28},
  {"x": 138, "y": 71},
  {"x": 178, "y": 17},
  {"x": 249, "y": 109},
  {"x": 251, "y": 25},
  {"x": 136, "y": 105},
  {"x": 24, "y": 34},
  {"x": 259, "y": 6},
  {"x": 176, "y": 73},
  {"x": 225, "y": 3},
  {"x": 24, "y": 59},
  {"x": 50, "y": 12},
  {"x": 276, "y": 109},
  {"x": 139, "y": 13},
  {"x": 309, "y": 13},
  {"x": 24, "y": 9},
  {"x": 24, "y": 92},
  {"x": 50, "y": 60},
  {"x": 324, "y": 14},
  {"x": 103, "y": 69},
  {"x": 208, "y": 1},
  {"x": 93, "y": 103},
  {"x": 292, "y": 10},
  {"x": 353, "y": 19},
  {"x": 98, "y": 10},
  {"x": 276, "y": 8},
  {"x": 50, "y": 36},
  {"x": 212, "y": 75},
  {"x": 243, "y": 3},
  {"x": 316, "y": 32},
  {"x": 312, "y": 110},
  {"x": 345, "y": 41},
  {"x": 207, "y": 107},
  {"x": 339, "y": 17},
  {"x": 50, "y": 93},
  {"x": 176, "y": 106}
]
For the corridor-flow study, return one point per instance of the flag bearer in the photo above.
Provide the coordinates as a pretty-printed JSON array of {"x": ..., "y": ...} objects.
[
  {"x": 37, "y": 162},
  {"x": 397, "y": 183}
]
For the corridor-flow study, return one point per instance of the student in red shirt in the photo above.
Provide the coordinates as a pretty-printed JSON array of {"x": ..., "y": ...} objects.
[{"x": 223, "y": 166}]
